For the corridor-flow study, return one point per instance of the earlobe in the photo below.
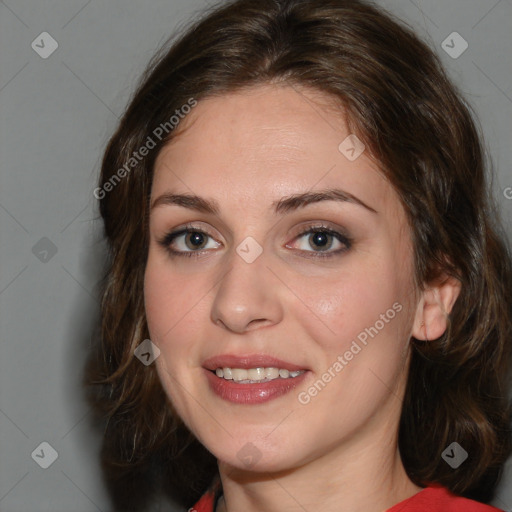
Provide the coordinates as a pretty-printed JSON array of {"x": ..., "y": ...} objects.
[{"x": 435, "y": 305}]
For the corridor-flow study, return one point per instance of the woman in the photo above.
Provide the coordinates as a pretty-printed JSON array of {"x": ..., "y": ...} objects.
[{"x": 302, "y": 244}]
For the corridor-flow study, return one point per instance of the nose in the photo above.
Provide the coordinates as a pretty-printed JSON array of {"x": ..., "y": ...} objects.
[{"x": 248, "y": 296}]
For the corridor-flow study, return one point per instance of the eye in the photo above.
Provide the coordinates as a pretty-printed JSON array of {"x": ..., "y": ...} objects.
[
  {"x": 193, "y": 242},
  {"x": 324, "y": 239},
  {"x": 187, "y": 241}
]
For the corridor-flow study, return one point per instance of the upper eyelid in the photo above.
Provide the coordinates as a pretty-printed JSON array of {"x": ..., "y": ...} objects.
[{"x": 319, "y": 225}]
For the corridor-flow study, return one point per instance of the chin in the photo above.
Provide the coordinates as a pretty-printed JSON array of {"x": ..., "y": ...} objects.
[{"x": 257, "y": 454}]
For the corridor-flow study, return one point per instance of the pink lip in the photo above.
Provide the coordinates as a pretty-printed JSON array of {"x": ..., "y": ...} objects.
[
  {"x": 256, "y": 393},
  {"x": 249, "y": 361}
]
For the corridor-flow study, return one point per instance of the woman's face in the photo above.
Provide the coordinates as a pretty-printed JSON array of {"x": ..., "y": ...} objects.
[{"x": 340, "y": 306}]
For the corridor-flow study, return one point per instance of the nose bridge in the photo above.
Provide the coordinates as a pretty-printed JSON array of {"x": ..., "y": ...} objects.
[{"x": 244, "y": 294}]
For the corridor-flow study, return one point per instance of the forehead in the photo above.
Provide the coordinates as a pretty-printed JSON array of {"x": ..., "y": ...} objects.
[
  {"x": 264, "y": 143},
  {"x": 283, "y": 119}
]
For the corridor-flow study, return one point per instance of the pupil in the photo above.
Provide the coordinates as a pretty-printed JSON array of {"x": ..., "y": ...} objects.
[
  {"x": 320, "y": 239},
  {"x": 196, "y": 239}
]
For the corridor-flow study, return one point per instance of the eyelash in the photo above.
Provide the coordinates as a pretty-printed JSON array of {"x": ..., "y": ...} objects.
[{"x": 166, "y": 241}]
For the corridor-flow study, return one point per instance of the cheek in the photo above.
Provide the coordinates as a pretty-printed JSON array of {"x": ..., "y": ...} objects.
[
  {"x": 173, "y": 304},
  {"x": 157, "y": 301},
  {"x": 341, "y": 306},
  {"x": 359, "y": 334},
  {"x": 172, "y": 307}
]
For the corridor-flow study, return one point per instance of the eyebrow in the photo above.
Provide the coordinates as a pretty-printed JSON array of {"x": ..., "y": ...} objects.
[{"x": 282, "y": 206}]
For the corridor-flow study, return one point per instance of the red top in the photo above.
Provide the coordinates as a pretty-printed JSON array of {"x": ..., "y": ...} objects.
[{"x": 433, "y": 498}]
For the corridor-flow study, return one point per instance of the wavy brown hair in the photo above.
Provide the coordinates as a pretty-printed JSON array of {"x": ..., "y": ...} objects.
[{"x": 417, "y": 126}]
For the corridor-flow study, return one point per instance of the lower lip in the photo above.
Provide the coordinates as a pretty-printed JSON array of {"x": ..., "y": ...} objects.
[{"x": 256, "y": 393}]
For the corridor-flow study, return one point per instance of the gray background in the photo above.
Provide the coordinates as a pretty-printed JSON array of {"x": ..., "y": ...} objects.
[{"x": 57, "y": 114}]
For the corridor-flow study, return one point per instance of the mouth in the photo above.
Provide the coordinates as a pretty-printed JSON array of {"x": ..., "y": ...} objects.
[{"x": 252, "y": 379}]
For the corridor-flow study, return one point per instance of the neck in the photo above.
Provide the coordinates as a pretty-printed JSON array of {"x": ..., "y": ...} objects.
[{"x": 355, "y": 477}]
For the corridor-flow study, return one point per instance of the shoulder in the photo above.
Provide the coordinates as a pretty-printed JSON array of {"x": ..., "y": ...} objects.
[{"x": 440, "y": 499}]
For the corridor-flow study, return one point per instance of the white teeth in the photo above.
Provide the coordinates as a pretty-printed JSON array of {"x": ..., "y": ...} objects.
[
  {"x": 254, "y": 375},
  {"x": 272, "y": 373},
  {"x": 239, "y": 374}
]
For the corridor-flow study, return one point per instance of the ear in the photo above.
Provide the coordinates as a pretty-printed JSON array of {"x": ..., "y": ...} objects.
[{"x": 434, "y": 306}]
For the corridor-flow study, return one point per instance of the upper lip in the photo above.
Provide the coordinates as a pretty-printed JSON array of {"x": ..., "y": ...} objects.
[{"x": 249, "y": 361}]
